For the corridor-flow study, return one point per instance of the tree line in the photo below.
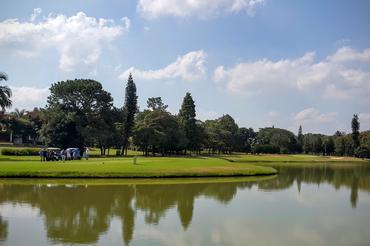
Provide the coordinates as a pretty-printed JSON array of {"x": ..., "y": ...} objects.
[{"x": 81, "y": 113}]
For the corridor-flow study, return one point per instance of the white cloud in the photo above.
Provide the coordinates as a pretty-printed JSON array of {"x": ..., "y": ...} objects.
[
  {"x": 343, "y": 75},
  {"x": 347, "y": 54},
  {"x": 190, "y": 67},
  {"x": 314, "y": 115},
  {"x": 29, "y": 97},
  {"x": 79, "y": 39},
  {"x": 36, "y": 13},
  {"x": 364, "y": 119},
  {"x": 199, "y": 8},
  {"x": 273, "y": 114},
  {"x": 331, "y": 92},
  {"x": 204, "y": 115}
]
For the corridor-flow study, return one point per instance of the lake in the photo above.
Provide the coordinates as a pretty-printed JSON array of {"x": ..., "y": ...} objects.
[{"x": 320, "y": 205}]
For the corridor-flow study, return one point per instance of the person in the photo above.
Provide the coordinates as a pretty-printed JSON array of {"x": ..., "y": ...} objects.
[
  {"x": 41, "y": 153},
  {"x": 62, "y": 155},
  {"x": 44, "y": 155},
  {"x": 75, "y": 154},
  {"x": 68, "y": 151},
  {"x": 86, "y": 153}
]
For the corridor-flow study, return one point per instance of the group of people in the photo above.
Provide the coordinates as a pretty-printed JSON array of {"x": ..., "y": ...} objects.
[{"x": 56, "y": 154}]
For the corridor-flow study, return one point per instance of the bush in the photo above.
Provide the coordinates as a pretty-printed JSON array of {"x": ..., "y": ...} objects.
[
  {"x": 362, "y": 152},
  {"x": 20, "y": 152},
  {"x": 266, "y": 149}
]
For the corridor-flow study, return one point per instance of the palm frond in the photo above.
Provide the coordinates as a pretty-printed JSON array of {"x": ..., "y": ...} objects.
[{"x": 3, "y": 76}]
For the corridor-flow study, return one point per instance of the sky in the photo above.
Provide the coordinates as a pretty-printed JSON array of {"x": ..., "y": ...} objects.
[{"x": 264, "y": 62}]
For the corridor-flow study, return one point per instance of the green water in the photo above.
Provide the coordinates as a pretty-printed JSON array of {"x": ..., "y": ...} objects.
[{"x": 325, "y": 205}]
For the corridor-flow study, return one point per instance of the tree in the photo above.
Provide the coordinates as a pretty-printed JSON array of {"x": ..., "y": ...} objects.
[
  {"x": 130, "y": 109},
  {"x": 77, "y": 113},
  {"x": 19, "y": 113},
  {"x": 355, "y": 125},
  {"x": 300, "y": 137},
  {"x": 155, "y": 103},
  {"x": 5, "y": 93},
  {"x": 281, "y": 138},
  {"x": 244, "y": 139},
  {"x": 159, "y": 132},
  {"x": 188, "y": 122}
]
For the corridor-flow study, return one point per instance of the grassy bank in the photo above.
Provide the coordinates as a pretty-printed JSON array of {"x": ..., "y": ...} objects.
[
  {"x": 152, "y": 167},
  {"x": 146, "y": 167},
  {"x": 301, "y": 158}
]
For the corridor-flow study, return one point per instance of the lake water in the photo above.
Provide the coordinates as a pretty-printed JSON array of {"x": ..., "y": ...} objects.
[{"x": 325, "y": 205}]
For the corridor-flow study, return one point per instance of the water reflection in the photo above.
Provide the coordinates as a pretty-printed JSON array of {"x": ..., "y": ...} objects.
[
  {"x": 354, "y": 178},
  {"x": 81, "y": 214}
]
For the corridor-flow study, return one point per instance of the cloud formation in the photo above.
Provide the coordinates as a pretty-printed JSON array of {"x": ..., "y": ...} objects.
[
  {"x": 342, "y": 75},
  {"x": 314, "y": 115},
  {"x": 29, "y": 97},
  {"x": 199, "y": 8},
  {"x": 79, "y": 39},
  {"x": 189, "y": 67}
]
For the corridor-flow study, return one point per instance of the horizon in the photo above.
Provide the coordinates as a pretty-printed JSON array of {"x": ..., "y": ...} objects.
[{"x": 309, "y": 68}]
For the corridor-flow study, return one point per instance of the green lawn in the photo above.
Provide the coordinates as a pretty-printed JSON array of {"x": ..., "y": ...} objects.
[
  {"x": 124, "y": 167},
  {"x": 301, "y": 158},
  {"x": 150, "y": 167}
]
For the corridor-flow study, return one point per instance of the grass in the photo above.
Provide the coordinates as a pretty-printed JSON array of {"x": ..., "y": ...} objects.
[
  {"x": 161, "y": 167},
  {"x": 146, "y": 167},
  {"x": 136, "y": 181},
  {"x": 300, "y": 158}
]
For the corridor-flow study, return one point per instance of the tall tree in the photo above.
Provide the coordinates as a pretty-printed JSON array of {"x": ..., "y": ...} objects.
[
  {"x": 130, "y": 109},
  {"x": 188, "y": 122},
  {"x": 5, "y": 93},
  {"x": 355, "y": 124},
  {"x": 300, "y": 137}
]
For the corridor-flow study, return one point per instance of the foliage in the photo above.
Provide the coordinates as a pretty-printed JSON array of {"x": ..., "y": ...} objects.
[
  {"x": 187, "y": 121},
  {"x": 355, "y": 125},
  {"x": 158, "y": 131},
  {"x": 20, "y": 152},
  {"x": 130, "y": 109},
  {"x": 265, "y": 148},
  {"x": 5, "y": 93},
  {"x": 78, "y": 114},
  {"x": 283, "y": 139}
]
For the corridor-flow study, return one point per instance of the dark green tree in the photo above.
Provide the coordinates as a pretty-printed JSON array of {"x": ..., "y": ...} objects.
[
  {"x": 355, "y": 125},
  {"x": 300, "y": 137},
  {"x": 158, "y": 131},
  {"x": 187, "y": 120},
  {"x": 77, "y": 113},
  {"x": 130, "y": 109},
  {"x": 155, "y": 103},
  {"x": 5, "y": 93}
]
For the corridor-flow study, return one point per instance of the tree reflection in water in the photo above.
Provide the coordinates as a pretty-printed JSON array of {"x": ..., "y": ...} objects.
[{"x": 80, "y": 214}]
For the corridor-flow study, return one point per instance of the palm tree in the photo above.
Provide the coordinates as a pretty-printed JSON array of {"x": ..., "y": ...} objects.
[
  {"x": 5, "y": 93},
  {"x": 19, "y": 113}
]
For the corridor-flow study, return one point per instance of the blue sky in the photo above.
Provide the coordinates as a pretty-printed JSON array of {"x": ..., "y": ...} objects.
[{"x": 265, "y": 62}]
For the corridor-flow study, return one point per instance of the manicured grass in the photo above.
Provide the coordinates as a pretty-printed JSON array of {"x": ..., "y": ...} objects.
[
  {"x": 151, "y": 167},
  {"x": 128, "y": 181},
  {"x": 301, "y": 158},
  {"x": 146, "y": 167}
]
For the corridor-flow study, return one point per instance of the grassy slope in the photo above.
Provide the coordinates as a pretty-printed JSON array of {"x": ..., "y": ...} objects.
[
  {"x": 291, "y": 159},
  {"x": 124, "y": 167},
  {"x": 234, "y": 165}
]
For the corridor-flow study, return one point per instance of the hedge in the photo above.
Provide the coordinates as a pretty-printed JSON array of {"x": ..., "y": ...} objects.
[{"x": 20, "y": 152}]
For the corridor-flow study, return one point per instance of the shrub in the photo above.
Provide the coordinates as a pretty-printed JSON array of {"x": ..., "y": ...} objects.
[
  {"x": 20, "y": 152},
  {"x": 266, "y": 149},
  {"x": 362, "y": 152}
]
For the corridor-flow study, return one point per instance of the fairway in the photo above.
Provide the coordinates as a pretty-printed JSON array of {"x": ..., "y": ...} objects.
[{"x": 146, "y": 167}]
